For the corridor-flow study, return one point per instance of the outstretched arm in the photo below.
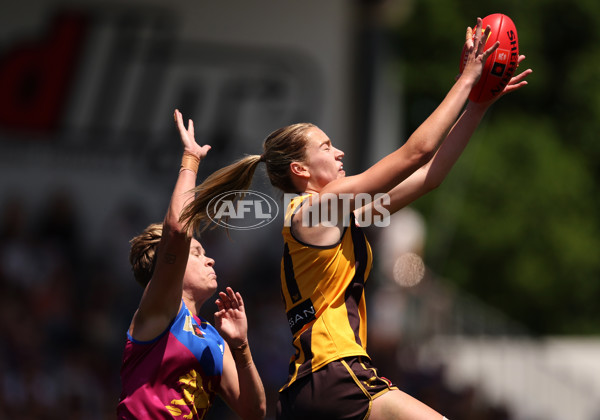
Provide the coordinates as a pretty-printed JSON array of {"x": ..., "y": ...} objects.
[
  {"x": 162, "y": 297},
  {"x": 241, "y": 386},
  {"x": 424, "y": 142},
  {"x": 432, "y": 174}
]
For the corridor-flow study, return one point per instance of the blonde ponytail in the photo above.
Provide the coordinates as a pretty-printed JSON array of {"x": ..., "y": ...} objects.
[{"x": 235, "y": 177}]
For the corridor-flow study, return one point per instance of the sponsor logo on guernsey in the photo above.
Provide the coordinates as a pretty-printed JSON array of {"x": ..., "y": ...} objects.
[{"x": 300, "y": 315}]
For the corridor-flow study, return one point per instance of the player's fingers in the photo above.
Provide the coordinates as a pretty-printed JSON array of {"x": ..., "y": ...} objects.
[
  {"x": 489, "y": 51},
  {"x": 486, "y": 33},
  {"x": 483, "y": 39},
  {"x": 191, "y": 127},
  {"x": 477, "y": 32},
  {"x": 225, "y": 299},
  {"x": 469, "y": 38},
  {"x": 204, "y": 150},
  {"x": 239, "y": 299},
  {"x": 520, "y": 77},
  {"x": 232, "y": 297},
  {"x": 179, "y": 120}
]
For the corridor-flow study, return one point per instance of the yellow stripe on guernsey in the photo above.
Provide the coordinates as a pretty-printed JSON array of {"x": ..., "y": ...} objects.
[{"x": 323, "y": 290}]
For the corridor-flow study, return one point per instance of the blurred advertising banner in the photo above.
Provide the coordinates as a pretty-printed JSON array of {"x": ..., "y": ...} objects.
[{"x": 88, "y": 92}]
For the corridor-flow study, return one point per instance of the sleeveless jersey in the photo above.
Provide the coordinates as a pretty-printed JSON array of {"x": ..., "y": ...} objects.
[
  {"x": 323, "y": 291},
  {"x": 175, "y": 375}
]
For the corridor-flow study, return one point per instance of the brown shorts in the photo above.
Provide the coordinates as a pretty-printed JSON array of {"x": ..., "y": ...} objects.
[{"x": 343, "y": 389}]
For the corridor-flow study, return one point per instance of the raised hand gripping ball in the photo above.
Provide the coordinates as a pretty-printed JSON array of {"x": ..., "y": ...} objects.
[{"x": 501, "y": 65}]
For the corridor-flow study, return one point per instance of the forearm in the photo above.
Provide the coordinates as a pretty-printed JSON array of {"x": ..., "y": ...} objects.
[
  {"x": 432, "y": 174},
  {"x": 454, "y": 145},
  {"x": 162, "y": 297},
  {"x": 252, "y": 394},
  {"x": 186, "y": 181},
  {"x": 182, "y": 195},
  {"x": 418, "y": 150},
  {"x": 431, "y": 133}
]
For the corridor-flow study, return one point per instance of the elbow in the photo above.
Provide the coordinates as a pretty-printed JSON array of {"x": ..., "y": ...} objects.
[
  {"x": 255, "y": 409},
  {"x": 258, "y": 413},
  {"x": 173, "y": 229},
  {"x": 421, "y": 157},
  {"x": 261, "y": 409},
  {"x": 431, "y": 179},
  {"x": 174, "y": 224},
  {"x": 171, "y": 221},
  {"x": 431, "y": 183},
  {"x": 421, "y": 147}
]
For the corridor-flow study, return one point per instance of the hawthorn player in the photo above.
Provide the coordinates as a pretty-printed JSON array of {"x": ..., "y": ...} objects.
[{"x": 325, "y": 266}]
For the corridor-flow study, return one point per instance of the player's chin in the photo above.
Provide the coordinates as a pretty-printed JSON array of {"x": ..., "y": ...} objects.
[
  {"x": 212, "y": 282},
  {"x": 212, "y": 287}
]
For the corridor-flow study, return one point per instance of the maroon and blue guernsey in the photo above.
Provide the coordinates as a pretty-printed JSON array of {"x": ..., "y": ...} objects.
[{"x": 175, "y": 375}]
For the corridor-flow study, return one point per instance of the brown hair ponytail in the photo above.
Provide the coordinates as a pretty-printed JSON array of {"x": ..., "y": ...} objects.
[{"x": 237, "y": 176}]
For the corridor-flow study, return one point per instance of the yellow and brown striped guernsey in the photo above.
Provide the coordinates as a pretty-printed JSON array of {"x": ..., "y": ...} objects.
[{"x": 323, "y": 290}]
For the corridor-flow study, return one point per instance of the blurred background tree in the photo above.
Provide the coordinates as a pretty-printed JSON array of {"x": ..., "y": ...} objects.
[{"x": 520, "y": 210}]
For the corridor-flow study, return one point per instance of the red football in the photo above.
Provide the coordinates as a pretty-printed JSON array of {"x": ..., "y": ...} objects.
[{"x": 501, "y": 65}]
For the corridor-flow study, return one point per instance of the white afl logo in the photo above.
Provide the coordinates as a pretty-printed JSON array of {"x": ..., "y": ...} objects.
[{"x": 242, "y": 210}]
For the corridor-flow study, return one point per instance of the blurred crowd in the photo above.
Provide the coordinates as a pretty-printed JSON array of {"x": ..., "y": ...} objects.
[{"x": 65, "y": 305}]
